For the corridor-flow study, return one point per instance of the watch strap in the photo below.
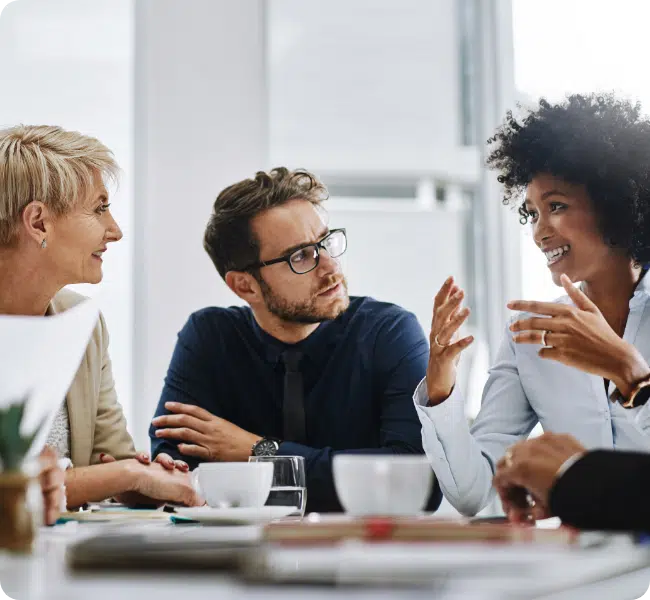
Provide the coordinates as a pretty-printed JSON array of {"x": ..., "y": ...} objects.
[{"x": 638, "y": 396}]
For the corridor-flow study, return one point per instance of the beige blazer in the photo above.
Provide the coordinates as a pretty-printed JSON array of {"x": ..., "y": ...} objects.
[{"x": 97, "y": 423}]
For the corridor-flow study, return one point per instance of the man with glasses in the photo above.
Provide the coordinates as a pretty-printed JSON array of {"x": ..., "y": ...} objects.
[{"x": 303, "y": 369}]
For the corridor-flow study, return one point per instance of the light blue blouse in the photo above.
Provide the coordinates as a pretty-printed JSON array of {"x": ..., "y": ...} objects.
[{"x": 522, "y": 390}]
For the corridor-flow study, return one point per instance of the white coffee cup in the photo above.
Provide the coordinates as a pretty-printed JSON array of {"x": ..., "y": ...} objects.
[
  {"x": 382, "y": 485},
  {"x": 233, "y": 484}
]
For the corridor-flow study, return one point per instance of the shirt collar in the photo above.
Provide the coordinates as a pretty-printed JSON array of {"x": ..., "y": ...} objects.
[
  {"x": 316, "y": 347},
  {"x": 642, "y": 290}
]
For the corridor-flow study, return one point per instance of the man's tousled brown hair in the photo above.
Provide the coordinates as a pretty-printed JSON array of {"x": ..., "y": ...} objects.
[{"x": 228, "y": 239}]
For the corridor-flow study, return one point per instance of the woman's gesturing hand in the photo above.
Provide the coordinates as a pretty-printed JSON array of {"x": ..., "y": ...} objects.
[
  {"x": 580, "y": 337},
  {"x": 444, "y": 343}
]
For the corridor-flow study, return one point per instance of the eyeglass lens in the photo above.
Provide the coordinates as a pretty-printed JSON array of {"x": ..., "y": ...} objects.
[{"x": 306, "y": 259}]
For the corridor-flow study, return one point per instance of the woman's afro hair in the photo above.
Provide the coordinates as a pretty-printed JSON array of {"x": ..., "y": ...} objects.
[{"x": 596, "y": 140}]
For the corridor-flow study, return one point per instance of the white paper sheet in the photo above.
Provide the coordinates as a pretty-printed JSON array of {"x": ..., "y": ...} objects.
[{"x": 39, "y": 357}]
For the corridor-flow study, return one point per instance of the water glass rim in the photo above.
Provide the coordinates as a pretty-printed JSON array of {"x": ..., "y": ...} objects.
[{"x": 271, "y": 458}]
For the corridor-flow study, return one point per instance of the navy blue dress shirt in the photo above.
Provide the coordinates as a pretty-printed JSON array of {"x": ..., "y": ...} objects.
[{"x": 359, "y": 373}]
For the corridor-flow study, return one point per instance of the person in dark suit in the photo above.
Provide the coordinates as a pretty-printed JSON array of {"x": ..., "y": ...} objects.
[
  {"x": 554, "y": 475},
  {"x": 302, "y": 370}
]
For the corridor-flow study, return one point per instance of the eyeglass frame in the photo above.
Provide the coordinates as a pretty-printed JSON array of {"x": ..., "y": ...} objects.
[{"x": 287, "y": 257}]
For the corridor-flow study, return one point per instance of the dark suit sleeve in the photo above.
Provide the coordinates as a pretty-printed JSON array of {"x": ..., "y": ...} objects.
[
  {"x": 605, "y": 490},
  {"x": 400, "y": 362},
  {"x": 189, "y": 380}
]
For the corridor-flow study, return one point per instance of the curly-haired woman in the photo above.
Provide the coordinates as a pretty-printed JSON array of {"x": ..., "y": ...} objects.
[{"x": 579, "y": 173}]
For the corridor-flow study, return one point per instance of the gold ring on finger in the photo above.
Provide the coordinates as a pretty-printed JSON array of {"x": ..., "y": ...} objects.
[
  {"x": 544, "y": 343},
  {"x": 435, "y": 339}
]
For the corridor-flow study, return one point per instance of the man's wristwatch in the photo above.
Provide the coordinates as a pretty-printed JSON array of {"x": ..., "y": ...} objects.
[
  {"x": 638, "y": 396},
  {"x": 266, "y": 447}
]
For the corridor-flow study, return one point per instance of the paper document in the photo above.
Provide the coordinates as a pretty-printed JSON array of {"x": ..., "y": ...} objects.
[{"x": 39, "y": 357}]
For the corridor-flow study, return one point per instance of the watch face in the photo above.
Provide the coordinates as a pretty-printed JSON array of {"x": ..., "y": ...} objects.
[
  {"x": 266, "y": 448},
  {"x": 642, "y": 396}
]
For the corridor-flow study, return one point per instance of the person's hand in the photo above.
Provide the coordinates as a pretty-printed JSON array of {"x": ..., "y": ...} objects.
[
  {"x": 156, "y": 482},
  {"x": 202, "y": 435},
  {"x": 143, "y": 458},
  {"x": 527, "y": 472},
  {"x": 580, "y": 337},
  {"x": 51, "y": 478},
  {"x": 445, "y": 345}
]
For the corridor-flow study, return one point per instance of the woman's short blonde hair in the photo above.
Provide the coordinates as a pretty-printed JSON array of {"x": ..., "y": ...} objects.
[{"x": 49, "y": 165}]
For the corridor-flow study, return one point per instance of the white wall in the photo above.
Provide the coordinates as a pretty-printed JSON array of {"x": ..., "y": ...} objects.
[
  {"x": 200, "y": 125},
  {"x": 402, "y": 257},
  {"x": 69, "y": 63},
  {"x": 369, "y": 85}
]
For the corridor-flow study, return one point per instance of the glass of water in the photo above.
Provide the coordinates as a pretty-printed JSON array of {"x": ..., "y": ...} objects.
[{"x": 289, "y": 487}]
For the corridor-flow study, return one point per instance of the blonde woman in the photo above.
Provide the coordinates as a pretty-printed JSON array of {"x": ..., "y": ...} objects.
[{"x": 55, "y": 228}]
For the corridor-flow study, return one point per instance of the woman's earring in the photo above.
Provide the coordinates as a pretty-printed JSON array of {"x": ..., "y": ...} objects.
[{"x": 44, "y": 244}]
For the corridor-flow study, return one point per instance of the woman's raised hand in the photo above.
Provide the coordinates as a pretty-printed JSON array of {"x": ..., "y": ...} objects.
[{"x": 445, "y": 345}]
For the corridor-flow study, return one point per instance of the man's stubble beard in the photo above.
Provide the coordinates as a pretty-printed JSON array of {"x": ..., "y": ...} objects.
[{"x": 303, "y": 312}]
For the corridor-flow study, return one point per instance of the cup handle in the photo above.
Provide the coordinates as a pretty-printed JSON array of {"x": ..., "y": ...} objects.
[{"x": 194, "y": 481}]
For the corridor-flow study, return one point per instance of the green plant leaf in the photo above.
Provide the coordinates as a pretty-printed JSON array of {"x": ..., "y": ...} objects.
[{"x": 13, "y": 445}]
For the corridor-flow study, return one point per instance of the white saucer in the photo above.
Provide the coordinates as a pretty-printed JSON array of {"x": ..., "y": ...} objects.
[{"x": 242, "y": 515}]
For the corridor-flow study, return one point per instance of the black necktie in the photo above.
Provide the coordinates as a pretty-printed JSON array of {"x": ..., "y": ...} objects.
[{"x": 293, "y": 408}]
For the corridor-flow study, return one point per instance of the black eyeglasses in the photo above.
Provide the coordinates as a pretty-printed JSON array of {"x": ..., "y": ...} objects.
[{"x": 306, "y": 258}]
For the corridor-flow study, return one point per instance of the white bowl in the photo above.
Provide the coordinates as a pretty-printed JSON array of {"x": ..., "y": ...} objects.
[
  {"x": 233, "y": 484},
  {"x": 382, "y": 485}
]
